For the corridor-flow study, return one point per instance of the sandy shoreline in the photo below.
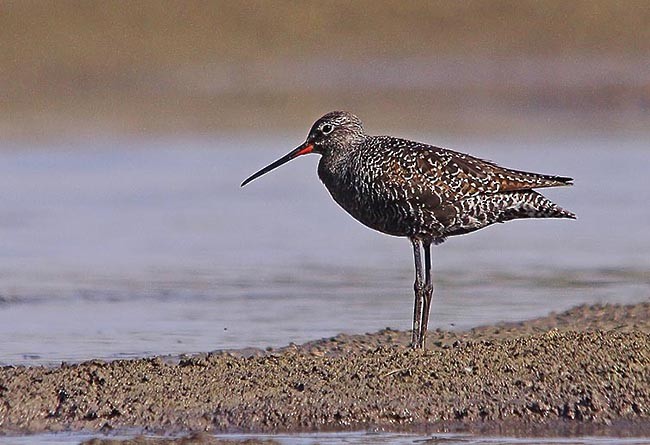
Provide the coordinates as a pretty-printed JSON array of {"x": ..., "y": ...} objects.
[{"x": 583, "y": 371}]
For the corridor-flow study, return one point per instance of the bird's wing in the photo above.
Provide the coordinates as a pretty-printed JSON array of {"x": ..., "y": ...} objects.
[
  {"x": 461, "y": 175},
  {"x": 434, "y": 177}
]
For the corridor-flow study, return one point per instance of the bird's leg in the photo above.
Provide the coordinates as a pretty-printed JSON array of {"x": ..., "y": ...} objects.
[
  {"x": 427, "y": 293},
  {"x": 418, "y": 287}
]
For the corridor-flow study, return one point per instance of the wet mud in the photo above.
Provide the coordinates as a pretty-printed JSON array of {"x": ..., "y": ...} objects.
[{"x": 582, "y": 371}]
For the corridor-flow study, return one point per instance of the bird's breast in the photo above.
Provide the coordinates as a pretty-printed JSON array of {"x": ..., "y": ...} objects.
[{"x": 360, "y": 192}]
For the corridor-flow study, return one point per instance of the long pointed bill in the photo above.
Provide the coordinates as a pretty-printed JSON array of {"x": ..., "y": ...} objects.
[{"x": 302, "y": 150}]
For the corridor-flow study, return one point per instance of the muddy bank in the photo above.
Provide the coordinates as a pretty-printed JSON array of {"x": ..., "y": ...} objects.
[{"x": 587, "y": 369}]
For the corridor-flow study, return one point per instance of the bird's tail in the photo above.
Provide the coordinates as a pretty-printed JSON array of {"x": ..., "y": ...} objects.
[
  {"x": 481, "y": 211},
  {"x": 529, "y": 204}
]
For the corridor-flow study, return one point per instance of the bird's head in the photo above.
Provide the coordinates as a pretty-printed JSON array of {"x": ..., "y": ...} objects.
[{"x": 336, "y": 130}]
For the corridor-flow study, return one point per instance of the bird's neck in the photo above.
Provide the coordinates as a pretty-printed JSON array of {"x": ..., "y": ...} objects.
[{"x": 333, "y": 165}]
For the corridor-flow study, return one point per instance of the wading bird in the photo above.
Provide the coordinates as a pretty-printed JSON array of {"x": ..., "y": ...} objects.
[{"x": 425, "y": 193}]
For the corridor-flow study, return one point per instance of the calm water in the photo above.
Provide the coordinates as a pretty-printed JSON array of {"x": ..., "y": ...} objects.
[
  {"x": 136, "y": 248},
  {"x": 358, "y": 438}
]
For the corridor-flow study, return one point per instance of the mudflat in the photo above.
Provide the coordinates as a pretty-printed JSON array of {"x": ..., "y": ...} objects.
[{"x": 584, "y": 370}]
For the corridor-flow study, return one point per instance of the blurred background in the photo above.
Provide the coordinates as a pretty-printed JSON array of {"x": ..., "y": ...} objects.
[
  {"x": 78, "y": 68},
  {"x": 126, "y": 128}
]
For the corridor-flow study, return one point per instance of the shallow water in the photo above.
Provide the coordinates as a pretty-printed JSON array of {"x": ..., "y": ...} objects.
[
  {"x": 135, "y": 248},
  {"x": 358, "y": 438}
]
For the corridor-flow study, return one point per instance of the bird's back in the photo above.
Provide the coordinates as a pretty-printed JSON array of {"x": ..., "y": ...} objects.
[{"x": 453, "y": 174}]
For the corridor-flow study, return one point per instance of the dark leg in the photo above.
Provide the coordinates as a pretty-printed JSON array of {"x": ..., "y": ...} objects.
[
  {"x": 427, "y": 293},
  {"x": 418, "y": 287}
]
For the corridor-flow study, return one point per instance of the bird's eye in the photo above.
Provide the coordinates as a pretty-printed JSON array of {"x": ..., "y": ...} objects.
[{"x": 326, "y": 129}]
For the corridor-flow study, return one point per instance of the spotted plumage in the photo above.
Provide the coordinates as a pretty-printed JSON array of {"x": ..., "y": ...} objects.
[
  {"x": 406, "y": 188},
  {"x": 426, "y": 193}
]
